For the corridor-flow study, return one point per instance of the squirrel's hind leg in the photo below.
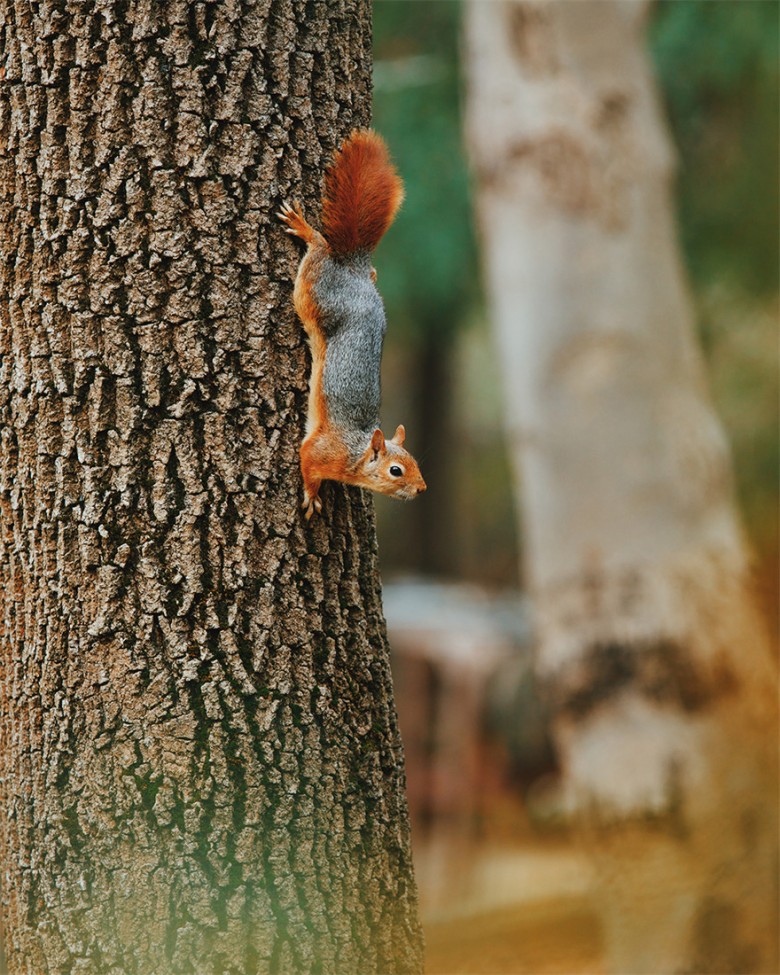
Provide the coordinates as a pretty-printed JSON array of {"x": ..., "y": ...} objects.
[{"x": 296, "y": 222}]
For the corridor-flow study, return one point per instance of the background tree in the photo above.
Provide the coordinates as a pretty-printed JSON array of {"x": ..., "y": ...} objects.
[
  {"x": 200, "y": 769},
  {"x": 717, "y": 64},
  {"x": 649, "y": 640}
]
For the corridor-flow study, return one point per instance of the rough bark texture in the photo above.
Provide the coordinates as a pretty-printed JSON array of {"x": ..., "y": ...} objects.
[
  {"x": 649, "y": 641},
  {"x": 201, "y": 770}
]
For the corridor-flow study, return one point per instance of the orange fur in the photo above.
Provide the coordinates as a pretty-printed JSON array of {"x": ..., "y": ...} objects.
[
  {"x": 324, "y": 456},
  {"x": 309, "y": 313},
  {"x": 362, "y": 194}
]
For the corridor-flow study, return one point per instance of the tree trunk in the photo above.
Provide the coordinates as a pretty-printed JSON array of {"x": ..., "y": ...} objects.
[
  {"x": 649, "y": 641},
  {"x": 200, "y": 763}
]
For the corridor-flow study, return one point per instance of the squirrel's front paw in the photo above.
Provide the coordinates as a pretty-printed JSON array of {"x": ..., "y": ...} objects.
[{"x": 311, "y": 505}]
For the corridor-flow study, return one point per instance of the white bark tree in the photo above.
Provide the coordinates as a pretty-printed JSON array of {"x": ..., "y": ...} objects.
[{"x": 649, "y": 640}]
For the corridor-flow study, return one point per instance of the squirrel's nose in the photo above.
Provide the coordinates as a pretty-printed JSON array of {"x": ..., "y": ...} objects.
[{"x": 422, "y": 486}]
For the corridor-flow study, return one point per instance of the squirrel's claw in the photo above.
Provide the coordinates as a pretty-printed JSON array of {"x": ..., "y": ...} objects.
[
  {"x": 288, "y": 212},
  {"x": 311, "y": 505},
  {"x": 292, "y": 215}
]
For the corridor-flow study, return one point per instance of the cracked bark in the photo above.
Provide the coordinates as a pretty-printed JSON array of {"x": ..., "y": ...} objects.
[{"x": 200, "y": 763}]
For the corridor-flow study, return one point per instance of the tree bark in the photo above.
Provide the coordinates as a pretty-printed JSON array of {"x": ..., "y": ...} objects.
[
  {"x": 200, "y": 767},
  {"x": 650, "y": 644}
]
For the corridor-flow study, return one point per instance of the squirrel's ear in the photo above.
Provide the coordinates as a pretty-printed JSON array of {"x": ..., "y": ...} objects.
[
  {"x": 399, "y": 435},
  {"x": 378, "y": 443}
]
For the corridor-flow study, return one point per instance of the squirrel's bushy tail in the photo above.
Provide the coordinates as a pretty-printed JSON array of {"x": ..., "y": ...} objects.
[{"x": 362, "y": 194}]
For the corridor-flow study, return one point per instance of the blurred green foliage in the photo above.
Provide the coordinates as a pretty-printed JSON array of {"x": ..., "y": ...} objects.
[
  {"x": 719, "y": 71},
  {"x": 427, "y": 263},
  {"x": 718, "y": 66},
  {"x": 717, "y": 62}
]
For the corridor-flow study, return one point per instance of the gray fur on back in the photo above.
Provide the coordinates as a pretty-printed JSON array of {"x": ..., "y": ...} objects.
[{"x": 353, "y": 319}]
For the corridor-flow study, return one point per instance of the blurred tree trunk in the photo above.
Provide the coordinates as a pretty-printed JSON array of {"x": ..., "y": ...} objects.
[
  {"x": 200, "y": 768},
  {"x": 649, "y": 641}
]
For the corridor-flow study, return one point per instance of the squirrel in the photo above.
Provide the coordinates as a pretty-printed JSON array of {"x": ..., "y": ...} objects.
[{"x": 341, "y": 310}]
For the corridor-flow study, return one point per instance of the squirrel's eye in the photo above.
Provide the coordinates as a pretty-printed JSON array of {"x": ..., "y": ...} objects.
[{"x": 396, "y": 471}]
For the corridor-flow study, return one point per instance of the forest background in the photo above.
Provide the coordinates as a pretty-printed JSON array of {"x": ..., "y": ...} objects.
[{"x": 717, "y": 66}]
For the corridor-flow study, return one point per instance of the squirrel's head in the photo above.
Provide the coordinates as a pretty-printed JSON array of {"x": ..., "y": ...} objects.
[{"x": 389, "y": 469}]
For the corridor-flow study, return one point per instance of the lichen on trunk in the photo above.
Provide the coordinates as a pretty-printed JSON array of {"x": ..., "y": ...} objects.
[{"x": 200, "y": 768}]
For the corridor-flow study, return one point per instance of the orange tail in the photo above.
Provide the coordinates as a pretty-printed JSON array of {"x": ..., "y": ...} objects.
[{"x": 362, "y": 194}]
